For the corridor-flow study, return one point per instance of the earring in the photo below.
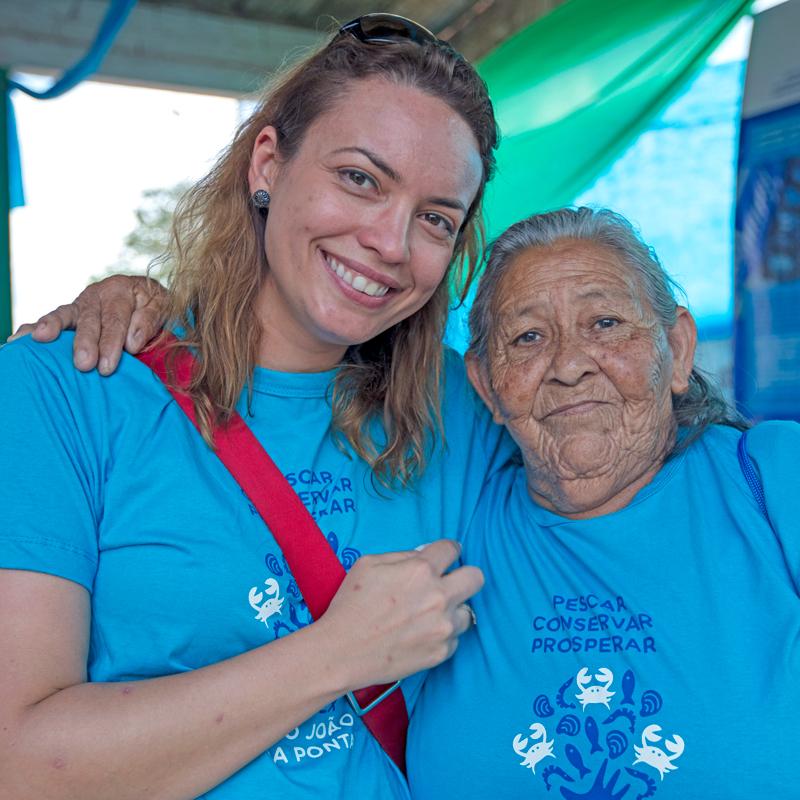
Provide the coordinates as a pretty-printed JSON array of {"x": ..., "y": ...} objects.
[{"x": 261, "y": 199}]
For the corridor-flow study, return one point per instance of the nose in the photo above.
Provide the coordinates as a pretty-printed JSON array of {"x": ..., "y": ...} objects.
[
  {"x": 570, "y": 362},
  {"x": 387, "y": 233}
]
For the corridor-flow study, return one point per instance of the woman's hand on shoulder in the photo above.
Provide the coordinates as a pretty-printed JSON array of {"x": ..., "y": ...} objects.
[
  {"x": 120, "y": 311},
  {"x": 398, "y": 613}
]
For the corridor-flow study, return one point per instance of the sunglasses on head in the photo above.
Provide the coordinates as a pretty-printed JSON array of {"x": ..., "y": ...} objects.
[{"x": 387, "y": 29}]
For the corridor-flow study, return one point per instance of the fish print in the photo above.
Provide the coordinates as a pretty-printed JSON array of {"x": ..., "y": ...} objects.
[
  {"x": 628, "y": 685},
  {"x": 592, "y": 734},
  {"x": 574, "y": 758}
]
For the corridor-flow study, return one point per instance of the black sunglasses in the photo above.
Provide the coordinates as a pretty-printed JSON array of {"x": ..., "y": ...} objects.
[{"x": 387, "y": 29}]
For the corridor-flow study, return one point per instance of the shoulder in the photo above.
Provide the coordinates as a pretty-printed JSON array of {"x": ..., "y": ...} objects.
[
  {"x": 774, "y": 447},
  {"x": 30, "y": 366},
  {"x": 24, "y": 354},
  {"x": 459, "y": 400},
  {"x": 717, "y": 450},
  {"x": 48, "y": 396},
  {"x": 36, "y": 373},
  {"x": 775, "y": 439},
  {"x": 766, "y": 438}
]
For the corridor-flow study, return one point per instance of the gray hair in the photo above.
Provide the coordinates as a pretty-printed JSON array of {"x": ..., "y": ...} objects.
[{"x": 703, "y": 404}]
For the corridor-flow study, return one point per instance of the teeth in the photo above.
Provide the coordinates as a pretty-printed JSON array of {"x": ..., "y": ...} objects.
[{"x": 358, "y": 282}]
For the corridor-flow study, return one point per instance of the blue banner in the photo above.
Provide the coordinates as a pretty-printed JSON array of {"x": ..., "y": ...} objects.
[{"x": 767, "y": 274}]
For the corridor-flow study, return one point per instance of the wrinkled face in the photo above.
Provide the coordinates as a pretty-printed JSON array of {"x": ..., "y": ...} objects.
[
  {"x": 364, "y": 218},
  {"x": 580, "y": 371}
]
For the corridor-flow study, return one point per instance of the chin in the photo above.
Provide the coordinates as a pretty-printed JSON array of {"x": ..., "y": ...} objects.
[{"x": 585, "y": 454}]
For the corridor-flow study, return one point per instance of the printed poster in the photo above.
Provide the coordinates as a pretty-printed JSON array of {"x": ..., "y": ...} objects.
[{"x": 767, "y": 246}]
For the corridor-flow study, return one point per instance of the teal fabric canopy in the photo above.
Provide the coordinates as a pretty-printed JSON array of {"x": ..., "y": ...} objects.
[{"x": 576, "y": 87}]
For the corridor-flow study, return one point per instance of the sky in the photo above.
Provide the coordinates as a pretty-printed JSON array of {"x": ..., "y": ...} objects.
[{"x": 88, "y": 156}]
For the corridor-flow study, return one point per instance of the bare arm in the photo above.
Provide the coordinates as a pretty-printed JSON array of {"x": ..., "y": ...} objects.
[
  {"x": 179, "y": 735},
  {"x": 120, "y": 311}
]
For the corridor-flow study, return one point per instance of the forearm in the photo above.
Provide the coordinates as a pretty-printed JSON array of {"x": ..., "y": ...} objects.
[{"x": 171, "y": 737}]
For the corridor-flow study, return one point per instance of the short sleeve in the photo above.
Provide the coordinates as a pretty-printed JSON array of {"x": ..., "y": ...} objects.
[
  {"x": 475, "y": 446},
  {"x": 49, "y": 486},
  {"x": 775, "y": 449}
]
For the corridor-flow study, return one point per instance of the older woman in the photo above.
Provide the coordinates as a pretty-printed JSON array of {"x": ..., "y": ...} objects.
[
  {"x": 639, "y": 631},
  {"x": 154, "y": 641}
]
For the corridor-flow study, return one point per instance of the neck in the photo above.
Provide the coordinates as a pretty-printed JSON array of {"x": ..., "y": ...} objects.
[
  {"x": 286, "y": 346},
  {"x": 581, "y": 497},
  {"x": 584, "y": 499}
]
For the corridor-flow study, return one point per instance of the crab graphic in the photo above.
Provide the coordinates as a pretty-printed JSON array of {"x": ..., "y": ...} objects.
[
  {"x": 271, "y": 606},
  {"x": 599, "y": 692},
  {"x": 537, "y": 751},
  {"x": 654, "y": 756}
]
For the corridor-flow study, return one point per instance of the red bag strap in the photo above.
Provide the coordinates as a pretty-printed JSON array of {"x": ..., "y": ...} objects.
[{"x": 311, "y": 559}]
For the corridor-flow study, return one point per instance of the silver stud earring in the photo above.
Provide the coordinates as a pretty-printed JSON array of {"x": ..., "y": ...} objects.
[{"x": 261, "y": 199}]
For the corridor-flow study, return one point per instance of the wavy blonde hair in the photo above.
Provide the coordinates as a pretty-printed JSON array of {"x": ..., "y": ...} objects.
[{"x": 218, "y": 265}]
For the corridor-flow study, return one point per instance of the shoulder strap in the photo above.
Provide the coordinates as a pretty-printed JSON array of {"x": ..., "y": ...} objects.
[
  {"x": 311, "y": 560},
  {"x": 751, "y": 476}
]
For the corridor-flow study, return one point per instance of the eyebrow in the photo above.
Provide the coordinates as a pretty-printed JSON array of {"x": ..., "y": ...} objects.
[
  {"x": 447, "y": 202},
  {"x": 521, "y": 312},
  {"x": 599, "y": 294},
  {"x": 535, "y": 306},
  {"x": 374, "y": 158}
]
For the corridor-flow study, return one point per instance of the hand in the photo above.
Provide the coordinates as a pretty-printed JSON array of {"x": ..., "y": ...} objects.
[
  {"x": 118, "y": 311},
  {"x": 398, "y": 613}
]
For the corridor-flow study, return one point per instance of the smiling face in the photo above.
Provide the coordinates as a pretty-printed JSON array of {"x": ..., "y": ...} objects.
[
  {"x": 363, "y": 220},
  {"x": 582, "y": 374}
]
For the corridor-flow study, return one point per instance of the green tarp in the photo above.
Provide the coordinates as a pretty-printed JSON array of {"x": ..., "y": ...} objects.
[{"x": 575, "y": 88}]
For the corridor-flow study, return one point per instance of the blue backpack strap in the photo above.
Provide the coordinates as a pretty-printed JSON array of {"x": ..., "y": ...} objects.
[{"x": 751, "y": 476}]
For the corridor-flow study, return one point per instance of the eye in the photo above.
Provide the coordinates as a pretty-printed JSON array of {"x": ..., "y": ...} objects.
[
  {"x": 605, "y": 323},
  {"x": 357, "y": 178},
  {"x": 529, "y": 337},
  {"x": 439, "y": 222}
]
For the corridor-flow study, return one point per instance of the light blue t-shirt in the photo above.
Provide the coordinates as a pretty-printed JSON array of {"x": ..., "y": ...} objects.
[
  {"x": 656, "y": 648},
  {"x": 106, "y": 483}
]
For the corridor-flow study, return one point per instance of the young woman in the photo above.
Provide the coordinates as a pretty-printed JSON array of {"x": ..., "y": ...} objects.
[{"x": 154, "y": 642}]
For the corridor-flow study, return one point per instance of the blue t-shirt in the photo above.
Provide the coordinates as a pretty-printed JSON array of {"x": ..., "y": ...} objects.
[
  {"x": 655, "y": 648},
  {"x": 106, "y": 483}
]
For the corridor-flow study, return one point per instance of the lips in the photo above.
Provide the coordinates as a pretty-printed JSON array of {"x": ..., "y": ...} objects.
[
  {"x": 575, "y": 408},
  {"x": 356, "y": 280}
]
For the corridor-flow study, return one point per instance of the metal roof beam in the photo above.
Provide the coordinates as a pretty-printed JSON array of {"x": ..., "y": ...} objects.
[{"x": 159, "y": 46}]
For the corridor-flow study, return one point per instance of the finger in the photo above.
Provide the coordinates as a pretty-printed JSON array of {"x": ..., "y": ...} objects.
[
  {"x": 116, "y": 299},
  {"x": 148, "y": 315},
  {"x": 50, "y": 325},
  {"x": 114, "y": 318},
  {"x": 23, "y": 330},
  {"x": 462, "y": 583},
  {"x": 87, "y": 334},
  {"x": 452, "y": 646},
  {"x": 146, "y": 323},
  {"x": 440, "y": 554}
]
